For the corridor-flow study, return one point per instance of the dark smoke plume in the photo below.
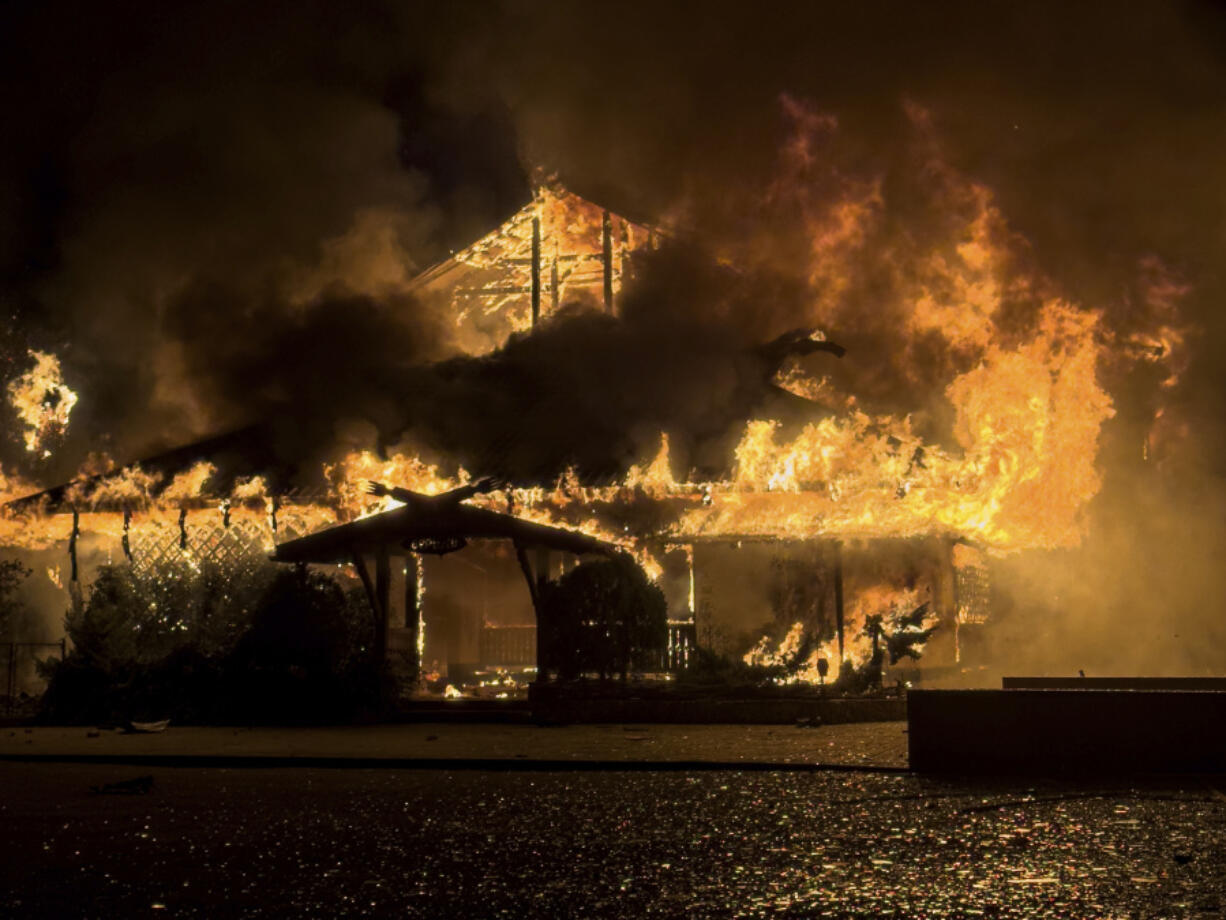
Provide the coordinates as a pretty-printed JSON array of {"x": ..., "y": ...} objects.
[{"x": 258, "y": 165}]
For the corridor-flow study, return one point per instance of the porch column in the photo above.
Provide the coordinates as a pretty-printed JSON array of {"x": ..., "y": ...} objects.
[
  {"x": 412, "y": 615},
  {"x": 383, "y": 595}
]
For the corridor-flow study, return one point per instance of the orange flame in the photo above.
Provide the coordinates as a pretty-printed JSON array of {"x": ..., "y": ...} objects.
[{"x": 42, "y": 401}]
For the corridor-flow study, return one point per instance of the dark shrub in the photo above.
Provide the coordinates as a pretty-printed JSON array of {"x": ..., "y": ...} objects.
[
  {"x": 603, "y": 617},
  {"x": 308, "y": 655},
  {"x": 196, "y": 645}
]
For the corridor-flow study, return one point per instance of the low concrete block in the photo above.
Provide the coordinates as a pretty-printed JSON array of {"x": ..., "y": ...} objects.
[
  {"x": 1067, "y": 731},
  {"x": 1113, "y": 683}
]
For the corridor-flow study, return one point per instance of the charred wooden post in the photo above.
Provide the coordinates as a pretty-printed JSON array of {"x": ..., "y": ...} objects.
[
  {"x": 412, "y": 615},
  {"x": 542, "y": 586},
  {"x": 535, "y": 581},
  {"x": 125, "y": 540},
  {"x": 372, "y": 596},
  {"x": 273, "y": 507},
  {"x": 72, "y": 542},
  {"x": 691, "y": 603},
  {"x": 554, "y": 293},
  {"x": 838, "y": 598},
  {"x": 225, "y": 513},
  {"x": 383, "y": 591},
  {"x": 543, "y": 560},
  {"x": 606, "y": 245},
  {"x": 183, "y": 528},
  {"x": 536, "y": 270}
]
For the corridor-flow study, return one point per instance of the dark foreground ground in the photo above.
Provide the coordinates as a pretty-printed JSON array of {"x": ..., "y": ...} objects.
[{"x": 519, "y": 842}]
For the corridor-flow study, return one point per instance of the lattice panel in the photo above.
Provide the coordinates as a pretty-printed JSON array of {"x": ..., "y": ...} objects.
[
  {"x": 242, "y": 544},
  {"x": 241, "y": 547}
]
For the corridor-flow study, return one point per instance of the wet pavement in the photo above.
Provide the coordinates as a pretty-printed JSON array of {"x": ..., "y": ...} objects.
[
  {"x": 882, "y": 744},
  {"x": 306, "y": 842}
]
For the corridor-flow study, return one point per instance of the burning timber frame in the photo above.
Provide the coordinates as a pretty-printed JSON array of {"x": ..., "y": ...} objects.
[
  {"x": 558, "y": 244},
  {"x": 433, "y": 524}
]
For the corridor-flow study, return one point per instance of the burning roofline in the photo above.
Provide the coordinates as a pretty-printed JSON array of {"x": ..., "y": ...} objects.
[
  {"x": 251, "y": 449},
  {"x": 411, "y": 526}
]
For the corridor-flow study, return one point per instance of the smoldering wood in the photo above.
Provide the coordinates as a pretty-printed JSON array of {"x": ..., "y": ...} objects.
[
  {"x": 372, "y": 596},
  {"x": 542, "y": 654},
  {"x": 432, "y": 516},
  {"x": 545, "y": 661},
  {"x": 536, "y": 270},
  {"x": 72, "y": 542},
  {"x": 412, "y": 617},
  {"x": 521, "y": 555},
  {"x": 554, "y": 284},
  {"x": 838, "y": 596},
  {"x": 606, "y": 246},
  {"x": 383, "y": 588},
  {"x": 542, "y": 567}
]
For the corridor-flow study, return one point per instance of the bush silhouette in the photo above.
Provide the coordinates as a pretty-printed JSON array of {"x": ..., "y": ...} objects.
[
  {"x": 266, "y": 645},
  {"x": 603, "y": 617}
]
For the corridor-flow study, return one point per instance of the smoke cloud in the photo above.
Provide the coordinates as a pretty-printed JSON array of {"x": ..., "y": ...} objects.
[{"x": 210, "y": 214}]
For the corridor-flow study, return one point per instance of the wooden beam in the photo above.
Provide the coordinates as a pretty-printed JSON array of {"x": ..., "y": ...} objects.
[
  {"x": 72, "y": 542},
  {"x": 606, "y": 247},
  {"x": 555, "y": 283},
  {"x": 526, "y": 567},
  {"x": 412, "y": 614},
  {"x": 372, "y": 598},
  {"x": 383, "y": 590},
  {"x": 536, "y": 270},
  {"x": 838, "y": 597},
  {"x": 543, "y": 559},
  {"x": 542, "y": 628}
]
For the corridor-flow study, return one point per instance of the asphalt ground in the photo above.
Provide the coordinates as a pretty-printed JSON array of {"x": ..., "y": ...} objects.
[
  {"x": 110, "y": 840},
  {"x": 880, "y": 745}
]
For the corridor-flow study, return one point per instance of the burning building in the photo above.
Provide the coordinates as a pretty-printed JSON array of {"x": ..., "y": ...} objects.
[{"x": 779, "y": 515}]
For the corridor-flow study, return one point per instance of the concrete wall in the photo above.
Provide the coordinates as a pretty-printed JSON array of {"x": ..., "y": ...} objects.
[{"x": 1067, "y": 731}]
